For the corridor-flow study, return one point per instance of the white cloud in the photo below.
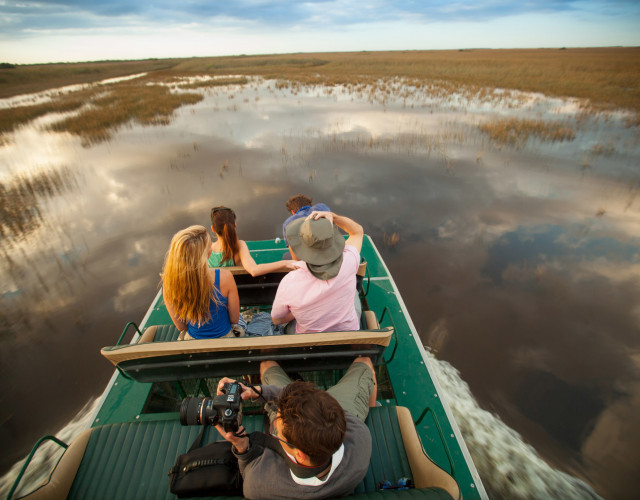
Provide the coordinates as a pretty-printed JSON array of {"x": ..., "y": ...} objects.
[{"x": 75, "y": 31}]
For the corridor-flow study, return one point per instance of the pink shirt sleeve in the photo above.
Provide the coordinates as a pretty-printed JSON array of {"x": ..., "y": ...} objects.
[
  {"x": 353, "y": 258},
  {"x": 280, "y": 307},
  {"x": 279, "y": 310}
]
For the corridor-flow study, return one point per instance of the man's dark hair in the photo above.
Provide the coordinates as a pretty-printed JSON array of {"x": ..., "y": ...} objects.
[
  {"x": 298, "y": 201},
  {"x": 313, "y": 421}
]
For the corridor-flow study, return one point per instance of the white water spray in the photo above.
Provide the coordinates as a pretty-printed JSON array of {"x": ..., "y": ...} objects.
[
  {"x": 47, "y": 455},
  {"x": 509, "y": 467}
]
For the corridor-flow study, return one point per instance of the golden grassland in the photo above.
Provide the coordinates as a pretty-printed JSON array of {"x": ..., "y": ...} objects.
[
  {"x": 100, "y": 111},
  {"x": 218, "y": 82},
  {"x": 27, "y": 79},
  {"x": 603, "y": 78},
  {"x": 608, "y": 77},
  {"x": 144, "y": 104},
  {"x": 12, "y": 117},
  {"x": 516, "y": 132}
]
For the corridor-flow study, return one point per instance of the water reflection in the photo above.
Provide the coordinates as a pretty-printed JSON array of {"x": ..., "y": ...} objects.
[
  {"x": 519, "y": 267},
  {"x": 22, "y": 201}
]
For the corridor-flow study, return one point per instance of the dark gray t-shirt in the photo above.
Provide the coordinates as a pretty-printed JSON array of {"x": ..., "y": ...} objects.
[{"x": 267, "y": 476}]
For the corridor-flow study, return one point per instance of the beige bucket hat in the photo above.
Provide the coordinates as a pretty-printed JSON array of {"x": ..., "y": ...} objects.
[{"x": 318, "y": 243}]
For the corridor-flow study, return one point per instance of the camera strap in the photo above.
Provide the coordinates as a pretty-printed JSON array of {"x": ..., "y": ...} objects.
[
  {"x": 200, "y": 438},
  {"x": 299, "y": 470}
]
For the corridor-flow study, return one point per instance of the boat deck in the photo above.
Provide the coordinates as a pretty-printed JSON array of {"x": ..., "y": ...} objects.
[{"x": 410, "y": 382}]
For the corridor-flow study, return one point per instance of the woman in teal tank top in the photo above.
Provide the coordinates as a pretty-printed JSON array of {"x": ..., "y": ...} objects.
[
  {"x": 228, "y": 250},
  {"x": 200, "y": 300},
  {"x": 215, "y": 260}
]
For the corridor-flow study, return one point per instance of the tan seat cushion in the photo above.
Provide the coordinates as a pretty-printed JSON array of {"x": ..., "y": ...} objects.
[
  {"x": 64, "y": 473},
  {"x": 426, "y": 473}
]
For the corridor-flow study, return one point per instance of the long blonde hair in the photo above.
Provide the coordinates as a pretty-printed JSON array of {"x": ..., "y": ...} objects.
[{"x": 185, "y": 275}]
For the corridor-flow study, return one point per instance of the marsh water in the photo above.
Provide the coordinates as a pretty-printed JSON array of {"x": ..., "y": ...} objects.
[{"x": 520, "y": 266}]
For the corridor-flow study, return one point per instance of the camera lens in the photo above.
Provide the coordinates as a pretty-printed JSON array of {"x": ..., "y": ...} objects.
[
  {"x": 190, "y": 411},
  {"x": 225, "y": 408}
]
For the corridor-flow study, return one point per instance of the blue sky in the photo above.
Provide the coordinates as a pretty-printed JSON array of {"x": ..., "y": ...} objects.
[{"x": 82, "y": 30}]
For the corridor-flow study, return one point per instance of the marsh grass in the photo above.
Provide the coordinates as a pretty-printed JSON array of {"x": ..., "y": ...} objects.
[
  {"x": 27, "y": 79},
  {"x": 516, "y": 132},
  {"x": 123, "y": 103},
  {"x": 11, "y": 118},
  {"x": 606, "y": 77},
  {"x": 602, "y": 78},
  {"x": 103, "y": 109},
  {"x": 21, "y": 200},
  {"x": 600, "y": 149},
  {"x": 218, "y": 82}
]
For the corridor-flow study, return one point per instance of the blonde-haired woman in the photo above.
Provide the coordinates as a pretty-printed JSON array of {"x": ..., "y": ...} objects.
[{"x": 199, "y": 299}]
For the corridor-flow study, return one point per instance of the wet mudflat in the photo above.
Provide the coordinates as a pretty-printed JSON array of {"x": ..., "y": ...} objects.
[{"x": 517, "y": 254}]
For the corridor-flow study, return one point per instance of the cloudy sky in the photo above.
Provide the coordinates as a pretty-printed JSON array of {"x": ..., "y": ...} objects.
[{"x": 82, "y": 30}]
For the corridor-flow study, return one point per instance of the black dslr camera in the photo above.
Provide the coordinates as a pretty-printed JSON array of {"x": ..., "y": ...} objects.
[{"x": 225, "y": 409}]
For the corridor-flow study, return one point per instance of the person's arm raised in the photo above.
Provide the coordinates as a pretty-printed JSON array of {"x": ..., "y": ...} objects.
[
  {"x": 259, "y": 269},
  {"x": 349, "y": 226}
]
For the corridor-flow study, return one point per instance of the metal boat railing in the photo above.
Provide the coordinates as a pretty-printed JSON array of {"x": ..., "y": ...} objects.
[{"x": 30, "y": 457}]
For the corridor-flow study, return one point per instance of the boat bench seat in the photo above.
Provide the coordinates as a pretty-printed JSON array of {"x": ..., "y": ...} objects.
[
  {"x": 131, "y": 460},
  {"x": 254, "y": 290},
  {"x": 159, "y": 357},
  {"x": 262, "y": 289}
]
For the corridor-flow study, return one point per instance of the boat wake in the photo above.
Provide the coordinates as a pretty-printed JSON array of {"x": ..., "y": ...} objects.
[
  {"x": 48, "y": 454},
  {"x": 509, "y": 467}
]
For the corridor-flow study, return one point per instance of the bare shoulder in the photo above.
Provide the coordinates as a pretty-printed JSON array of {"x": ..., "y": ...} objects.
[{"x": 225, "y": 275}]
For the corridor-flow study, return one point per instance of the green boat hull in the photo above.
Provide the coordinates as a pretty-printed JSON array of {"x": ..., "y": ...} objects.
[{"x": 412, "y": 383}]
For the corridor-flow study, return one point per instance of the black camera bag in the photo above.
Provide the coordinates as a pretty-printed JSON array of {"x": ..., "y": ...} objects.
[{"x": 205, "y": 471}]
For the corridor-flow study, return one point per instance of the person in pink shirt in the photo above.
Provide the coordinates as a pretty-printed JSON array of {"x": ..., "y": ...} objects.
[{"x": 319, "y": 295}]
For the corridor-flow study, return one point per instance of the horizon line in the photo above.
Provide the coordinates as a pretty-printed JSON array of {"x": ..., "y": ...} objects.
[{"x": 461, "y": 49}]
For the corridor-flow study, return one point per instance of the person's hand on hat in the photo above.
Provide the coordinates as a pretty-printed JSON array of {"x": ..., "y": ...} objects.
[
  {"x": 290, "y": 265},
  {"x": 317, "y": 215}
]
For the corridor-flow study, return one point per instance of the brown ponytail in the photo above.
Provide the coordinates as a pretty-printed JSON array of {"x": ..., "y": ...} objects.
[{"x": 223, "y": 220}]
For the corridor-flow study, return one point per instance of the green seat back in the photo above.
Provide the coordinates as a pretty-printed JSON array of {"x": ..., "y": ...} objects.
[{"x": 166, "y": 333}]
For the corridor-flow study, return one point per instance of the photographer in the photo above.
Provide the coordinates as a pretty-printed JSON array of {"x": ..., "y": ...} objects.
[{"x": 327, "y": 444}]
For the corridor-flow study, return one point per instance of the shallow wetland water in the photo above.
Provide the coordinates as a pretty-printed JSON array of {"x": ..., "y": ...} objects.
[{"x": 518, "y": 259}]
